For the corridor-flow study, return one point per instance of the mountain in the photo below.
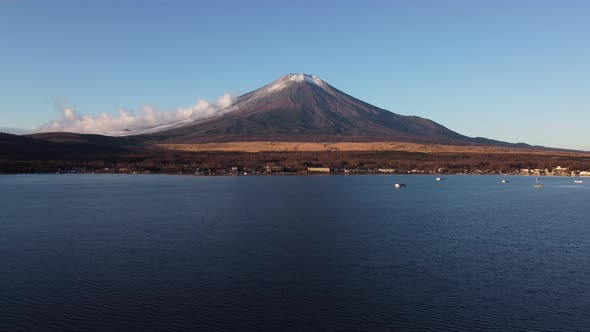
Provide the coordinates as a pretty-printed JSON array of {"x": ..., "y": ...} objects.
[
  {"x": 15, "y": 131},
  {"x": 301, "y": 107},
  {"x": 57, "y": 145}
]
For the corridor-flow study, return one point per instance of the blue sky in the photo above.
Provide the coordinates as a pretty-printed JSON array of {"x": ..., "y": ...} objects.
[{"x": 511, "y": 70}]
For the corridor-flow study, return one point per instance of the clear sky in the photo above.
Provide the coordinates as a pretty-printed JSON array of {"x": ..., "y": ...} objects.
[{"x": 511, "y": 70}]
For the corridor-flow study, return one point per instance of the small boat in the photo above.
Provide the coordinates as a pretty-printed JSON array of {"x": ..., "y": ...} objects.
[
  {"x": 439, "y": 179},
  {"x": 399, "y": 185},
  {"x": 505, "y": 181},
  {"x": 578, "y": 181},
  {"x": 537, "y": 179},
  {"x": 537, "y": 186}
]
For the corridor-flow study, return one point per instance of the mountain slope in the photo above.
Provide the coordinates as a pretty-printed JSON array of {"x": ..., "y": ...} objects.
[
  {"x": 56, "y": 145},
  {"x": 299, "y": 107}
]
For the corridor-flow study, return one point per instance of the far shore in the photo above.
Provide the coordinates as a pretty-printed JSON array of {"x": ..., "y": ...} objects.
[{"x": 263, "y": 174}]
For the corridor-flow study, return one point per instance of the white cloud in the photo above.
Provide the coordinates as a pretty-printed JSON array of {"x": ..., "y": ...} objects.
[{"x": 109, "y": 123}]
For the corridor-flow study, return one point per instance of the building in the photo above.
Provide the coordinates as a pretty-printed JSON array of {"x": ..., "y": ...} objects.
[
  {"x": 275, "y": 168},
  {"x": 318, "y": 169},
  {"x": 559, "y": 170},
  {"x": 525, "y": 171}
]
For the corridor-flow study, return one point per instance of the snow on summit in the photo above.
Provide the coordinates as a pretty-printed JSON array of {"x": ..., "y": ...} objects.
[
  {"x": 284, "y": 81},
  {"x": 303, "y": 78}
]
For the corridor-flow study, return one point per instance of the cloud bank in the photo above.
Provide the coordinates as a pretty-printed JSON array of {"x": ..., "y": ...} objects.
[{"x": 127, "y": 121}]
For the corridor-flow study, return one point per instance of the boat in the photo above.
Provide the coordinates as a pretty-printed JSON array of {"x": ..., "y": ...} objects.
[
  {"x": 578, "y": 181},
  {"x": 537, "y": 186},
  {"x": 537, "y": 179},
  {"x": 505, "y": 181},
  {"x": 439, "y": 179},
  {"x": 399, "y": 185}
]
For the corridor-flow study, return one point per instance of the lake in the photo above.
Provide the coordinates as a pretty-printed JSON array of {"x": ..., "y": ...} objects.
[{"x": 173, "y": 253}]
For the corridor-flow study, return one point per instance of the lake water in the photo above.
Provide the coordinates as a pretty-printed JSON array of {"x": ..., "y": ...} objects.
[{"x": 172, "y": 253}]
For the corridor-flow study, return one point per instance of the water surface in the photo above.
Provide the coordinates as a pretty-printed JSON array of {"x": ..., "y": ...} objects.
[{"x": 106, "y": 252}]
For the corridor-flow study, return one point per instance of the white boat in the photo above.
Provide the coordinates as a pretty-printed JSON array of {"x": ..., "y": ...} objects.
[
  {"x": 537, "y": 179},
  {"x": 439, "y": 179},
  {"x": 505, "y": 181},
  {"x": 538, "y": 186},
  {"x": 578, "y": 181},
  {"x": 399, "y": 185}
]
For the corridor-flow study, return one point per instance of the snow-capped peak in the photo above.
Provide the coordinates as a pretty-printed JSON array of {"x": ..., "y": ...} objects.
[
  {"x": 303, "y": 78},
  {"x": 284, "y": 81}
]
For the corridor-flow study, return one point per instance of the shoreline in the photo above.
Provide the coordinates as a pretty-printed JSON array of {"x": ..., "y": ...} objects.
[{"x": 301, "y": 174}]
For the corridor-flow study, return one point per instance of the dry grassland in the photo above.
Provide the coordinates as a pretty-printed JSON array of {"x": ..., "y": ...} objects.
[{"x": 261, "y": 146}]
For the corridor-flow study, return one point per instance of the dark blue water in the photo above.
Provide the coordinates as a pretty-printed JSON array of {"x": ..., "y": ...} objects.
[{"x": 106, "y": 253}]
